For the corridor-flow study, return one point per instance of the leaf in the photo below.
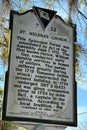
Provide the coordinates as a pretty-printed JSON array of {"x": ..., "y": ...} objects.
[
  {"x": 77, "y": 47},
  {"x": 77, "y": 66},
  {"x": 4, "y": 55}
]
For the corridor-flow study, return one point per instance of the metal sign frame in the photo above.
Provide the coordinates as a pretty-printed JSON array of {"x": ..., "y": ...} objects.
[{"x": 14, "y": 117}]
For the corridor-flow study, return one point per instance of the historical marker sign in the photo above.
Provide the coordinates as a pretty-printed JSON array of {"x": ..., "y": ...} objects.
[{"x": 41, "y": 81}]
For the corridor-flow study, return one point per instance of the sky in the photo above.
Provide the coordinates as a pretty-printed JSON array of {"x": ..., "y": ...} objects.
[{"x": 81, "y": 86}]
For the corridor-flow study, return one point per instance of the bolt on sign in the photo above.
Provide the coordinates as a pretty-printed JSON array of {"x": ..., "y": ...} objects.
[{"x": 40, "y": 81}]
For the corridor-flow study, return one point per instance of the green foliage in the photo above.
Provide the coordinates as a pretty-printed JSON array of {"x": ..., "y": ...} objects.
[
  {"x": 7, "y": 125},
  {"x": 0, "y": 112},
  {"x": 1, "y": 92},
  {"x": 4, "y": 42},
  {"x": 1, "y": 100}
]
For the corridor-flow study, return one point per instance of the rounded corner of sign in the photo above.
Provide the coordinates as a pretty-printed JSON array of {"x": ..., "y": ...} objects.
[{"x": 74, "y": 123}]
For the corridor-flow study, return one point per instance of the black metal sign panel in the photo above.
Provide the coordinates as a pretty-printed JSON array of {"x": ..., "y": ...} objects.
[{"x": 40, "y": 83}]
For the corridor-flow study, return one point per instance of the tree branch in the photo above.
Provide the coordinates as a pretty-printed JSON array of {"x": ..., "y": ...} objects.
[
  {"x": 80, "y": 12},
  {"x": 3, "y": 45},
  {"x": 63, "y": 8}
]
